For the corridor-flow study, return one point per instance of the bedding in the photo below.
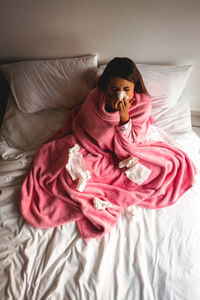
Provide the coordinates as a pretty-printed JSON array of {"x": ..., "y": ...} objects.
[
  {"x": 43, "y": 84},
  {"x": 91, "y": 149},
  {"x": 150, "y": 254}
]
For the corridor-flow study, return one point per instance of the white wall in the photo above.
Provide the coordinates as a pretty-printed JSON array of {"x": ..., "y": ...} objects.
[{"x": 146, "y": 31}]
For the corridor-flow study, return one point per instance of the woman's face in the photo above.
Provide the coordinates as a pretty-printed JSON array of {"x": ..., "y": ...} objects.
[{"x": 118, "y": 84}]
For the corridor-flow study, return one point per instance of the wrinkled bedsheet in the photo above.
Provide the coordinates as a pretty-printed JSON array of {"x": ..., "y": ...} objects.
[{"x": 150, "y": 254}]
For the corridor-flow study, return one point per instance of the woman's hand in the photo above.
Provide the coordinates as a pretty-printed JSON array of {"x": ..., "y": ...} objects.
[{"x": 123, "y": 107}]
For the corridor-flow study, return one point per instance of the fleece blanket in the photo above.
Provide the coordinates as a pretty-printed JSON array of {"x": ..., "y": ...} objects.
[{"x": 89, "y": 171}]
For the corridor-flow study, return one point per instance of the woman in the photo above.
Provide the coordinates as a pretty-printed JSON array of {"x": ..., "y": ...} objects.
[
  {"x": 121, "y": 74},
  {"x": 99, "y": 162},
  {"x": 114, "y": 117}
]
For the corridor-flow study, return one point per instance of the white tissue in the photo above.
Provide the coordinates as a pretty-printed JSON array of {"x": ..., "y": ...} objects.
[
  {"x": 128, "y": 162},
  {"x": 77, "y": 168},
  {"x": 100, "y": 204},
  {"x": 131, "y": 213},
  {"x": 121, "y": 95},
  {"x": 138, "y": 173},
  {"x": 81, "y": 184}
]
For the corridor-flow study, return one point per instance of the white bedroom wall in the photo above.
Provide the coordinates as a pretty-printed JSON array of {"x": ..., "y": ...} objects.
[{"x": 147, "y": 31}]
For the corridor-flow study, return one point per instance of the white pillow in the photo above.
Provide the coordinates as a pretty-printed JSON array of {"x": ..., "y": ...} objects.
[
  {"x": 55, "y": 83},
  {"x": 28, "y": 131},
  {"x": 165, "y": 84}
]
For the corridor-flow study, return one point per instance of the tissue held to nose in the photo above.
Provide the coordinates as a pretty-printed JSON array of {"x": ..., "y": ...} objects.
[{"x": 121, "y": 95}]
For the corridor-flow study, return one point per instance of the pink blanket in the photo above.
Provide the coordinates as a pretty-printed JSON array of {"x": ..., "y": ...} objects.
[{"x": 49, "y": 194}]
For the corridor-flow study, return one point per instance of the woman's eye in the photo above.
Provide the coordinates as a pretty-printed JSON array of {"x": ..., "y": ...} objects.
[
  {"x": 126, "y": 90},
  {"x": 114, "y": 90}
]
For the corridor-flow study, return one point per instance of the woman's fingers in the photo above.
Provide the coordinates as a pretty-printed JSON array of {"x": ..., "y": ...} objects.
[
  {"x": 120, "y": 105},
  {"x": 125, "y": 103},
  {"x": 132, "y": 100}
]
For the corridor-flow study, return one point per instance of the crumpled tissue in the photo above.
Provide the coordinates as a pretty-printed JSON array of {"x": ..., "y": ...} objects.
[
  {"x": 121, "y": 95},
  {"x": 100, "y": 204},
  {"x": 77, "y": 168},
  {"x": 136, "y": 172},
  {"x": 128, "y": 162}
]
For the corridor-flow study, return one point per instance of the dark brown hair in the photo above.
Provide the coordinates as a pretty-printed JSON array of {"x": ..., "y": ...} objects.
[{"x": 125, "y": 68}]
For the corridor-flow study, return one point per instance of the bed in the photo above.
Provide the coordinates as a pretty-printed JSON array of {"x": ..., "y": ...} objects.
[{"x": 150, "y": 254}]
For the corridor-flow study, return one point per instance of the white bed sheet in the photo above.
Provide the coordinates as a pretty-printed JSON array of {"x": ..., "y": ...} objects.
[{"x": 155, "y": 256}]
